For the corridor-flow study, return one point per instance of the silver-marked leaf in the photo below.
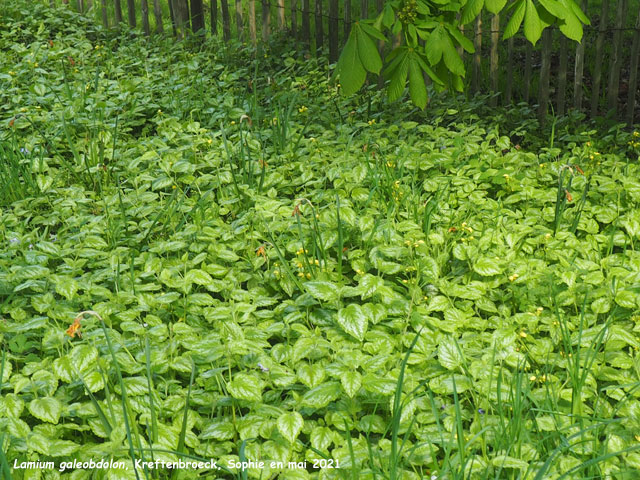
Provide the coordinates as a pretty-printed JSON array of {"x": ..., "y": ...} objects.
[
  {"x": 289, "y": 425},
  {"x": 353, "y": 321},
  {"x": 351, "y": 382},
  {"x": 47, "y": 409},
  {"x": 449, "y": 355},
  {"x": 246, "y": 387},
  {"x": 325, "y": 291}
]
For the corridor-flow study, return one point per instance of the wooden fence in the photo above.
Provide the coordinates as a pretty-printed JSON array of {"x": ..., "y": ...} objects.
[{"x": 598, "y": 76}]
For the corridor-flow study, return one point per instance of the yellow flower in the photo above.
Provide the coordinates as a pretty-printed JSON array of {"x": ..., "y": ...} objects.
[
  {"x": 302, "y": 109},
  {"x": 173, "y": 187},
  {"x": 523, "y": 334},
  {"x": 372, "y": 121},
  {"x": 513, "y": 277}
]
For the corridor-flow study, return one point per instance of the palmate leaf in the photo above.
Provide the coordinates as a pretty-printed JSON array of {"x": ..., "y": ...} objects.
[
  {"x": 515, "y": 21},
  {"x": 417, "y": 87},
  {"x": 359, "y": 56},
  {"x": 471, "y": 11},
  {"x": 397, "y": 72},
  {"x": 350, "y": 69},
  {"x": 495, "y": 6},
  {"x": 367, "y": 50},
  {"x": 532, "y": 24}
]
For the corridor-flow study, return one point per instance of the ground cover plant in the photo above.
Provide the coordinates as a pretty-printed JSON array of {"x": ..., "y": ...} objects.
[{"x": 208, "y": 254}]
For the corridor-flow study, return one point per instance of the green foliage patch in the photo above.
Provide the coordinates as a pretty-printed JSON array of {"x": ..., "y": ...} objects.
[{"x": 211, "y": 255}]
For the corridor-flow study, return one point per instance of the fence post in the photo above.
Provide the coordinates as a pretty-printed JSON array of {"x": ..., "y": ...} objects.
[
  {"x": 197, "y": 15},
  {"x": 319, "y": 26},
  {"x": 379, "y": 6},
  {"x": 616, "y": 54},
  {"x": 633, "y": 74},
  {"x": 477, "y": 56},
  {"x": 252, "y": 22},
  {"x": 81, "y": 6},
  {"x": 105, "y": 18},
  {"x": 509, "y": 88},
  {"x": 579, "y": 68},
  {"x": 214, "y": 17},
  {"x": 545, "y": 69},
  {"x": 239, "y": 21},
  {"x": 281, "y": 20},
  {"x": 495, "y": 33},
  {"x": 347, "y": 20},
  {"x": 226, "y": 20},
  {"x": 333, "y": 30},
  {"x": 561, "y": 94},
  {"x": 266, "y": 20},
  {"x": 528, "y": 61},
  {"x": 157, "y": 13},
  {"x": 294, "y": 18},
  {"x": 144, "y": 7},
  {"x": 597, "y": 72},
  {"x": 306, "y": 23},
  {"x": 131, "y": 10}
]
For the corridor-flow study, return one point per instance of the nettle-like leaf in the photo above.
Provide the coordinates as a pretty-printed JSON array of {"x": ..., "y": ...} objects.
[
  {"x": 353, "y": 321},
  {"x": 246, "y": 387},
  {"x": 351, "y": 382},
  {"x": 47, "y": 409},
  {"x": 322, "y": 395},
  {"x": 289, "y": 425},
  {"x": 322, "y": 290},
  {"x": 449, "y": 354}
]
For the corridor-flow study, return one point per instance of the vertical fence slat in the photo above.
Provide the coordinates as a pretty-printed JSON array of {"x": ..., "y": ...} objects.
[
  {"x": 294, "y": 18},
  {"x": 81, "y": 6},
  {"x": 318, "y": 25},
  {"x": 266, "y": 20},
  {"x": 157, "y": 14},
  {"x": 597, "y": 71},
  {"x": 477, "y": 56},
  {"x": 239, "y": 21},
  {"x": 306, "y": 23},
  {"x": 579, "y": 68},
  {"x": 118, "y": 11},
  {"x": 214, "y": 17},
  {"x": 509, "y": 86},
  {"x": 197, "y": 15},
  {"x": 105, "y": 17},
  {"x": 545, "y": 70},
  {"x": 528, "y": 62},
  {"x": 561, "y": 93},
  {"x": 459, "y": 48},
  {"x": 144, "y": 8},
  {"x": 616, "y": 60},
  {"x": 226, "y": 20},
  {"x": 131, "y": 10},
  {"x": 379, "y": 6},
  {"x": 281, "y": 21},
  {"x": 364, "y": 8},
  {"x": 493, "y": 71},
  {"x": 333, "y": 30},
  {"x": 633, "y": 74},
  {"x": 253, "y": 31},
  {"x": 347, "y": 20}
]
